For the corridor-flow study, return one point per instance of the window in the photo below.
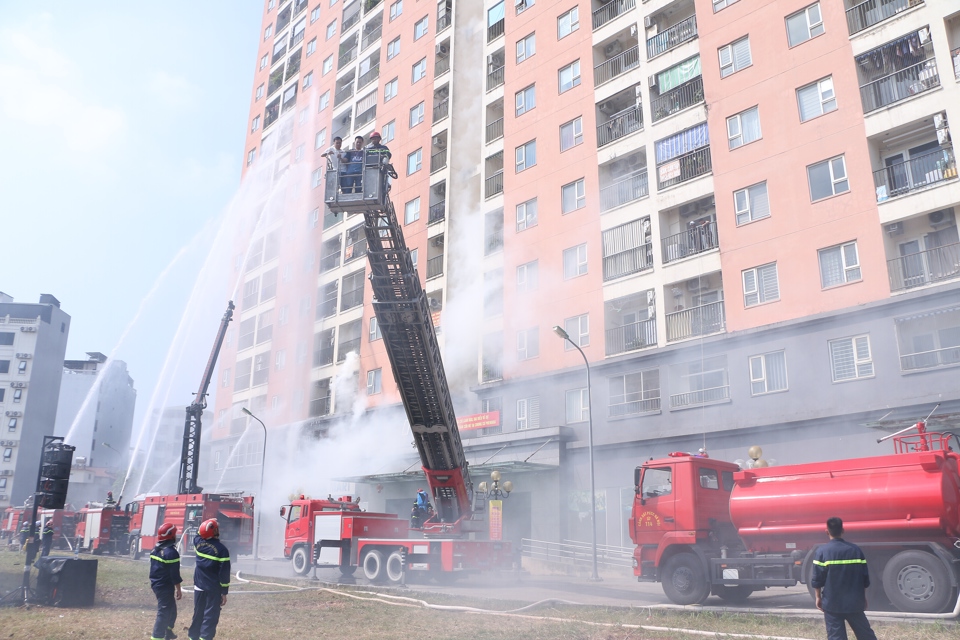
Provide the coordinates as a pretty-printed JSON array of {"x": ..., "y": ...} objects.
[
  {"x": 768, "y": 373},
  {"x": 419, "y": 70},
  {"x": 578, "y": 328},
  {"x": 396, "y": 9},
  {"x": 827, "y": 178},
  {"x": 743, "y": 128},
  {"x": 528, "y": 276},
  {"x": 528, "y": 343},
  {"x": 255, "y": 125},
  {"x": 332, "y": 29},
  {"x": 12, "y": 425},
  {"x": 414, "y": 253},
  {"x": 760, "y": 285},
  {"x": 388, "y": 131},
  {"x": 416, "y": 115},
  {"x": 280, "y": 360},
  {"x": 735, "y": 56},
  {"x": 259, "y": 92},
  {"x": 374, "y": 381},
  {"x": 850, "y": 358},
  {"x": 804, "y": 24},
  {"x": 526, "y": 100},
  {"x": 7, "y": 454},
  {"x": 251, "y": 156},
  {"x": 241, "y": 378},
  {"x": 722, "y": 4},
  {"x": 573, "y": 196},
  {"x": 578, "y": 405},
  {"x": 526, "y": 155},
  {"x": 839, "y": 265},
  {"x": 411, "y": 211},
  {"x": 633, "y": 393},
  {"x": 414, "y": 161},
  {"x": 316, "y": 178},
  {"x": 307, "y": 81},
  {"x": 17, "y": 395},
  {"x": 327, "y": 65},
  {"x": 526, "y": 214},
  {"x": 751, "y": 203},
  {"x": 298, "y": 153},
  {"x": 390, "y": 89},
  {"x": 3, "y": 483},
  {"x": 393, "y": 48},
  {"x": 571, "y": 134},
  {"x": 315, "y": 14},
  {"x": 267, "y": 32},
  {"x": 816, "y": 99},
  {"x": 263, "y": 60},
  {"x": 324, "y": 101},
  {"x": 265, "y": 326},
  {"x": 246, "y": 334},
  {"x": 570, "y": 76},
  {"x": 4, "y": 366},
  {"x": 420, "y": 28},
  {"x": 523, "y": 5},
  {"x": 311, "y": 47},
  {"x": 928, "y": 339},
  {"x": 528, "y": 413},
  {"x": 526, "y": 47},
  {"x": 320, "y": 139},
  {"x": 574, "y": 261},
  {"x": 568, "y": 22},
  {"x": 374, "y": 329}
]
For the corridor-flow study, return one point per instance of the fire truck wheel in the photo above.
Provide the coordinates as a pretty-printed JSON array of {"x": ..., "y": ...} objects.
[
  {"x": 135, "y": 548},
  {"x": 347, "y": 570},
  {"x": 917, "y": 582},
  {"x": 373, "y": 566},
  {"x": 300, "y": 560},
  {"x": 683, "y": 579},
  {"x": 394, "y": 567}
]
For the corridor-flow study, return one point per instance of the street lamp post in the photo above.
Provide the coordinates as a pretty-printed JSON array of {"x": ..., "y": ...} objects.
[
  {"x": 263, "y": 463},
  {"x": 593, "y": 492}
]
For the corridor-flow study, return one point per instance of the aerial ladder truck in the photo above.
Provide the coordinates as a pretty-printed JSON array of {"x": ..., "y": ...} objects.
[{"x": 384, "y": 545}]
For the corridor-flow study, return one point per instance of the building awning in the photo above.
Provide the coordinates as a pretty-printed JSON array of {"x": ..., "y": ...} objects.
[{"x": 236, "y": 515}]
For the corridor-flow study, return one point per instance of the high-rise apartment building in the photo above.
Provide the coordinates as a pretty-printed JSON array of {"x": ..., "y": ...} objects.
[
  {"x": 744, "y": 213},
  {"x": 33, "y": 341}
]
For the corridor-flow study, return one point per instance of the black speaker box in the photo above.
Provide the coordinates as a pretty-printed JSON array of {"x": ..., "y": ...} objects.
[{"x": 66, "y": 582}]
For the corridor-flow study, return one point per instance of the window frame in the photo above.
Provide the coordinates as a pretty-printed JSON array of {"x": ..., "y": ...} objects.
[
  {"x": 407, "y": 209},
  {"x": 425, "y": 21},
  {"x": 584, "y": 409},
  {"x": 579, "y": 194},
  {"x": 810, "y": 27},
  {"x": 393, "y": 48},
  {"x": 419, "y": 161},
  {"x": 732, "y": 66},
  {"x": 374, "y": 381},
  {"x": 391, "y": 89},
  {"x": 580, "y": 336},
  {"x": 396, "y": 10},
  {"x": 574, "y": 79},
  {"x": 857, "y": 361},
  {"x": 845, "y": 269},
  {"x": 419, "y": 64},
  {"x": 522, "y": 153},
  {"x": 735, "y": 141},
  {"x": 576, "y": 124},
  {"x": 581, "y": 264},
  {"x": 524, "y": 95},
  {"x": 764, "y": 378},
  {"x": 528, "y": 349},
  {"x": 419, "y": 110},
  {"x": 818, "y": 85},
  {"x": 758, "y": 286},
  {"x": 573, "y": 16},
  {"x": 531, "y": 275},
  {"x": 834, "y": 181},
  {"x": 525, "y": 44},
  {"x": 524, "y": 217},
  {"x": 749, "y": 211}
]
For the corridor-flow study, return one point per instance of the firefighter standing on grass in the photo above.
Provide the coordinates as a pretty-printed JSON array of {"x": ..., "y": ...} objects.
[
  {"x": 211, "y": 581},
  {"x": 165, "y": 581},
  {"x": 47, "y": 538}
]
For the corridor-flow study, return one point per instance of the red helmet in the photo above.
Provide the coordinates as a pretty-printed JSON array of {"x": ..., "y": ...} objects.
[
  {"x": 209, "y": 529},
  {"x": 166, "y": 531},
  {"x": 375, "y": 134}
]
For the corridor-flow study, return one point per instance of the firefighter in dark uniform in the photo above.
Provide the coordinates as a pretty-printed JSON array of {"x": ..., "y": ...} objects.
[
  {"x": 211, "y": 581},
  {"x": 47, "y": 538},
  {"x": 165, "y": 581},
  {"x": 24, "y": 532},
  {"x": 840, "y": 578}
]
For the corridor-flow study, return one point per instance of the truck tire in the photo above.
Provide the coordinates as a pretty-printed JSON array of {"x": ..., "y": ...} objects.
[
  {"x": 135, "y": 548},
  {"x": 347, "y": 570},
  {"x": 683, "y": 579},
  {"x": 738, "y": 593},
  {"x": 917, "y": 582},
  {"x": 394, "y": 567},
  {"x": 373, "y": 566},
  {"x": 300, "y": 560}
]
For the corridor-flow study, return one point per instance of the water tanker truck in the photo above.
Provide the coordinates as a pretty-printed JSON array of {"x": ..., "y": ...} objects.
[{"x": 704, "y": 526}]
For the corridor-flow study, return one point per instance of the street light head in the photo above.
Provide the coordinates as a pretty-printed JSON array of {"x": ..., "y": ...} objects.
[
  {"x": 482, "y": 488},
  {"x": 495, "y": 476},
  {"x": 246, "y": 411},
  {"x": 560, "y": 332},
  {"x": 508, "y": 486}
]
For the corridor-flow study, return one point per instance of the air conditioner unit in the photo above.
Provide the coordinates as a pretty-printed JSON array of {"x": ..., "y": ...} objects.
[
  {"x": 940, "y": 119},
  {"x": 613, "y": 48},
  {"x": 652, "y": 82},
  {"x": 14, "y": 414},
  {"x": 633, "y": 31},
  {"x": 24, "y": 356},
  {"x": 6, "y": 472},
  {"x": 648, "y": 21},
  {"x": 18, "y": 385},
  {"x": 943, "y": 136},
  {"x": 894, "y": 228},
  {"x": 940, "y": 218},
  {"x": 443, "y": 49},
  {"x": 28, "y": 329}
]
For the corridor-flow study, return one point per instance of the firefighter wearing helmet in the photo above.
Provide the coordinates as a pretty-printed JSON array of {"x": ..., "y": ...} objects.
[
  {"x": 165, "y": 581},
  {"x": 211, "y": 581}
]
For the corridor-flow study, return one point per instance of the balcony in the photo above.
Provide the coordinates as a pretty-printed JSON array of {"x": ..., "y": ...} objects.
[
  {"x": 272, "y": 113},
  {"x": 697, "y": 239},
  {"x": 493, "y": 184},
  {"x": 444, "y": 21},
  {"x": 371, "y": 37},
  {"x": 494, "y": 130},
  {"x": 441, "y": 110},
  {"x": 632, "y": 404},
  {"x": 700, "y": 396},
  {"x": 683, "y": 168},
  {"x": 900, "y": 85},
  {"x": 924, "y": 267},
  {"x": 677, "y": 99},
  {"x": 673, "y": 37},
  {"x": 866, "y": 14},
  {"x": 437, "y": 212},
  {"x": 320, "y": 407},
  {"x": 491, "y": 371},
  {"x": 435, "y": 267},
  {"x": 702, "y": 320},
  {"x": 438, "y": 161},
  {"x": 917, "y": 173},
  {"x": 347, "y": 56},
  {"x": 930, "y": 359},
  {"x": 441, "y": 66},
  {"x": 616, "y": 66},
  {"x": 343, "y": 94},
  {"x": 628, "y": 189},
  {"x": 632, "y": 260},
  {"x": 370, "y": 5},
  {"x": 495, "y": 78},
  {"x": 349, "y": 20},
  {"x": 367, "y": 77},
  {"x": 611, "y": 11},
  {"x": 631, "y": 336},
  {"x": 495, "y": 30},
  {"x": 345, "y": 347},
  {"x": 619, "y": 125}
]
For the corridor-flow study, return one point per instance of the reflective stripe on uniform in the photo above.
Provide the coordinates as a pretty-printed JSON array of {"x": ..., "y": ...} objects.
[
  {"x": 224, "y": 585},
  {"x": 215, "y": 558},
  {"x": 159, "y": 559},
  {"x": 827, "y": 563}
]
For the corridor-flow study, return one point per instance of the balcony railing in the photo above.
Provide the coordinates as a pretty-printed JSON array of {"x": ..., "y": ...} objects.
[
  {"x": 628, "y": 189},
  {"x": 320, "y": 407},
  {"x": 619, "y": 125},
  {"x": 444, "y": 21},
  {"x": 369, "y": 5},
  {"x": 491, "y": 371},
  {"x": 351, "y": 299},
  {"x": 349, "y": 21},
  {"x": 438, "y": 161},
  {"x": 630, "y": 407},
  {"x": 682, "y": 168},
  {"x": 930, "y": 359},
  {"x": 673, "y": 37},
  {"x": 441, "y": 66},
  {"x": 866, "y": 14},
  {"x": 437, "y": 212},
  {"x": 494, "y": 79},
  {"x": 631, "y": 336},
  {"x": 435, "y": 266},
  {"x": 370, "y": 38},
  {"x": 495, "y": 30},
  {"x": 345, "y": 347},
  {"x": 611, "y": 11},
  {"x": 698, "y": 321},
  {"x": 441, "y": 110},
  {"x": 327, "y": 308},
  {"x": 493, "y": 184},
  {"x": 323, "y": 356},
  {"x": 700, "y": 396},
  {"x": 677, "y": 99},
  {"x": 347, "y": 57},
  {"x": 494, "y": 242},
  {"x": 623, "y": 263},
  {"x": 494, "y": 130},
  {"x": 915, "y": 174},
  {"x": 330, "y": 262},
  {"x": 925, "y": 267},
  {"x": 366, "y": 116},
  {"x": 343, "y": 95},
  {"x": 617, "y": 65},
  {"x": 697, "y": 239},
  {"x": 899, "y": 86},
  {"x": 369, "y": 76}
]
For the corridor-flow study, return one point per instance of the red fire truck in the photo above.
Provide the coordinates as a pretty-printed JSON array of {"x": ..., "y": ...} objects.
[
  {"x": 10, "y": 528},
  {"x": 382, "y": 543},
  {"x": 64, "y": 525},
  {"x": 103, "y": 529},
  {"x": 703, "y": 525}
]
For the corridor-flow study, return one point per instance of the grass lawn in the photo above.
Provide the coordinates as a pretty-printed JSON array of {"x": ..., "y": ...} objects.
[{"x": 125, "y": 608}]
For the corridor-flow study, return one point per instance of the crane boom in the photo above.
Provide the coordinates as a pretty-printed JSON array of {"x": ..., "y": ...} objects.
[
  {"x": 190, "y": 460},
  {"x": 404, "y": 318}
]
